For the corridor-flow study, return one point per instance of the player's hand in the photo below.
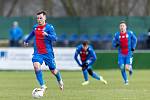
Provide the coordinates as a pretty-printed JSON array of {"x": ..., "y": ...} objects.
[
  {"x": 84, "y": 66},
  {"x": 132, "y": 49},
  {"x": 45, "y": 34},
  {"x": 25, "y": 44}
]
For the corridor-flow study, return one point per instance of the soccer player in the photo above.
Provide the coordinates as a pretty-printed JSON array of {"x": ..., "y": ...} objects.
[
  {"x": 126, "y": 41},
  {"x": 87, "y": 59},
  {"x": 44, "y": 34}
]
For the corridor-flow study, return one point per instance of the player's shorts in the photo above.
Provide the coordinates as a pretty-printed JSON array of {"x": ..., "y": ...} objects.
[
  {"x": 124, "y": 59},
  {"x": 47, "y": 58}
]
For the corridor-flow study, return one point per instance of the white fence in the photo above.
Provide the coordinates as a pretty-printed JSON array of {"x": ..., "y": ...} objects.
[{"x": 20, "y": 59}]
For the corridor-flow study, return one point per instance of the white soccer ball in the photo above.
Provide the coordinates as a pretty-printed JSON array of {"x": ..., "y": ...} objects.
[{"x": 37, "y": 93}]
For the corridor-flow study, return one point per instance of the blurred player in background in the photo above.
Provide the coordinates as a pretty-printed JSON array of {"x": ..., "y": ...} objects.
[
  {"x": 16, "y": 35},
  {"x": 126, "y": 41},
  {"x": 87, "y": 59},
  {"x": 44, "y": 34}
]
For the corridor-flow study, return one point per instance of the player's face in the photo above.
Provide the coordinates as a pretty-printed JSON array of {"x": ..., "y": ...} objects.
[
  {"x": 85, "y": 47},
  {"x": 123, "y": 27},
  {"x": 41, "y": 19}
]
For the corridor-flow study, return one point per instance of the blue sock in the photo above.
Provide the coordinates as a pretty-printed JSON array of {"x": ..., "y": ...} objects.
[
  {"x": 94, "y": 75},
  {"x": 85, "y": 74},
  {"x": 123, "y": 72},
  {"x": 58, "y": 76},
  {"x": 39, "y": 77}
]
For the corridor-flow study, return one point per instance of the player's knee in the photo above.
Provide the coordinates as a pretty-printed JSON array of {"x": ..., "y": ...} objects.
[
  {"x": 122, "y": 67},
  {"x": 54, "y": 72},
  {"x": 90, "y": 72},
  {"x": 127, "y": 67},
  {"x": 36, "y": 66}
]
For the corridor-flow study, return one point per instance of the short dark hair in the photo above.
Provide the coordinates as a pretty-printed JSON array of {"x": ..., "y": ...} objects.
[
  {"x": 122, "y": 22},
  {"x": 86, "y": 42},
  {"x": 41, "y": 12}
]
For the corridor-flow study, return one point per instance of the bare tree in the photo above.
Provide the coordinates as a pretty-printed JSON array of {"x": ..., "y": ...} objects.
[
  {"x": 1, "y": 7},
  {"x": 69, "y": 7},
  {"x": 47, "y": 5},
  {"x": 12, "y": 8},
  {"x": 80, "y": 7},
  {"x": 147, "y": 8}
]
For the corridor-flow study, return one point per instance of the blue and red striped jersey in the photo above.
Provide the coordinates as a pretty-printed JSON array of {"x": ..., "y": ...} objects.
[
  {"x": 87, "y": 56},
  {"x": 42, "y": 44},
  {"x": 126, "y": 42}
]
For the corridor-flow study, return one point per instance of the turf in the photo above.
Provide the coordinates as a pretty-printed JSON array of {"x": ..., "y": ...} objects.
[{"x": 18, "y": 85}]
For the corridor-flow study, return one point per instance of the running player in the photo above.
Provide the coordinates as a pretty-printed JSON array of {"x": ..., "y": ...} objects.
[
  {"x": 44, "y": 34},
  {"x": 126, "y": 41}
]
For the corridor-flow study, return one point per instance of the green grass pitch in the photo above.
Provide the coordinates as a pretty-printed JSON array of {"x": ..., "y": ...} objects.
[{"x": 18, "y": 85}]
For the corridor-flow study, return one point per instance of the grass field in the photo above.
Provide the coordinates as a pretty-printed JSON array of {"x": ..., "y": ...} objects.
[{"x": 18, "y": 85}]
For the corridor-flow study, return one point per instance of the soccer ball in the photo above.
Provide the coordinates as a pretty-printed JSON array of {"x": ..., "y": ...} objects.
[{"x": 37, "y": 93}]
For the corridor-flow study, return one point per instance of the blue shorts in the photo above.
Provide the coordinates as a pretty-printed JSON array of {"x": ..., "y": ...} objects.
[
  {"x": 47, "y": 58},
  {"x": 124, "y": 59}
]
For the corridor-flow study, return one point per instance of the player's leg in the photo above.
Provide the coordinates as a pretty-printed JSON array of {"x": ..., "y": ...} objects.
[
  {"x": 57, "y": 74},
  {"x": 96, "y": 76},
  {"x": 122, "y": 68},
  {"x": 85, "y": 75},
  {"x": 37, "y": 61},
  {"x": 93, "y": 74},
  {"x": 130, "y": 70},
  {"x": 128, "y": 65},
  {"x": 123, "y": 72},
  {"x": 48, "y": 59}
]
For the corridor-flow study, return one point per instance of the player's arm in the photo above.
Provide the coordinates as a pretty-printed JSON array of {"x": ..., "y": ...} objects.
[
  {"x": 76, "y": 57},
  {"x": 92, "y": 59},
  {"x": 133, "y": 41},
  {"x": 50, "y": 34},
  {"x": 29, "y": 37},
  {"x": 115, "y": 41}
]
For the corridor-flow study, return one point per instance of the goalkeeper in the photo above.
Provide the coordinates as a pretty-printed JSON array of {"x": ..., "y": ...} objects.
[{"x": 87, "y": 59}]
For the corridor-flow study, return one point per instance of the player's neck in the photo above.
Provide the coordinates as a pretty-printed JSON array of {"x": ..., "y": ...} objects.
[
  {"x": 42, "y": 24},
  {"x": 123, "y": 32}
]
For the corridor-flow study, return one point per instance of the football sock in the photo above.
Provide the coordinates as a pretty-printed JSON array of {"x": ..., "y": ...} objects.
[
  {"x": 123, "y": 72},
  {"x": 58, "y": 76},
  {"x": 39, "y": 77},
  {"x": 124, "y": 75},
  {"x": 94, "y": 75},
  {"x": 85, "y": 74}
]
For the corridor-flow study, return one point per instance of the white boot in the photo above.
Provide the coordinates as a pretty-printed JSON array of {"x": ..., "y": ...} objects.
[
  {"x": 103, "y": 80},
  {"x": 85, "y": 83},
  {"x": 61, "y": 85},
  {"x": 43, "y": 88}
]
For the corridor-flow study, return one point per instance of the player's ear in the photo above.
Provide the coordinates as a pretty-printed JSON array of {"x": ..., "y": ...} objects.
[{"x": 45, "y": 17}]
